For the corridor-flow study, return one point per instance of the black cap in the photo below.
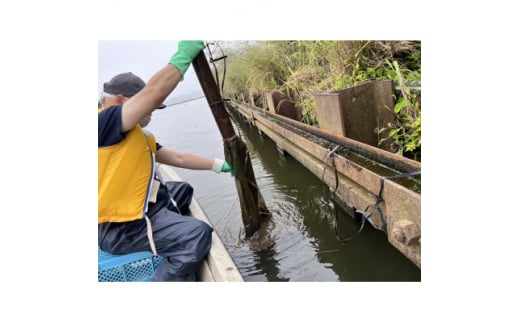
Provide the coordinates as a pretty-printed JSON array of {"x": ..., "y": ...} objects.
[{"x": 126, "y": 84}]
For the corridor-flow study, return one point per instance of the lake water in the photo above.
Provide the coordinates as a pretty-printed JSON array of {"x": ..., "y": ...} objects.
[{"x": 304, "y": 245}]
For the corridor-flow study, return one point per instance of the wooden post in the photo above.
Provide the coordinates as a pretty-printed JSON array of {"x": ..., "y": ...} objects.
[{"x": 251, "y": 201}]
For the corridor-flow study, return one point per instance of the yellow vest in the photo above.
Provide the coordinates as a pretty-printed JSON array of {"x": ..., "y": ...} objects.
[{"x": 125, "y": 176}]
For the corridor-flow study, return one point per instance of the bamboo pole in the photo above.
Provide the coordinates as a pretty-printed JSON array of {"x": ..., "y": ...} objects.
[{"x": 252, "y": 203}]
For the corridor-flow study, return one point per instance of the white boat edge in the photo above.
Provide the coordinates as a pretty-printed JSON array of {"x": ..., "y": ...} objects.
[{"x": 218, "y": 265}]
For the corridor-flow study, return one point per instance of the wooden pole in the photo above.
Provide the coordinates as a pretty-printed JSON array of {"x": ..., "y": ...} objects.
[{"x": 251, "y": 201}]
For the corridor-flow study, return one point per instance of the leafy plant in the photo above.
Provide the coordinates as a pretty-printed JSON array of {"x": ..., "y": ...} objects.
[
  {"x": 302, "y": 68},
  {"x": 405, "y": 132}
]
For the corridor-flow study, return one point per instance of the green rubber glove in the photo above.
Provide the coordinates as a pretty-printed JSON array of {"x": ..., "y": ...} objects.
[
  {"x": 227, "y": 169},
  {"x": 220, "y": 165},
  {"x": 186, "y": 52}
]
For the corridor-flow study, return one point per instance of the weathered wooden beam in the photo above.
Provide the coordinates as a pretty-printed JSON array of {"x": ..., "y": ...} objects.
[{"x": 251, "y": 201}]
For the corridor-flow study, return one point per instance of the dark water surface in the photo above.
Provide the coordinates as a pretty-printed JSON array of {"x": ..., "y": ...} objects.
[{"x": 302, "y": 244}]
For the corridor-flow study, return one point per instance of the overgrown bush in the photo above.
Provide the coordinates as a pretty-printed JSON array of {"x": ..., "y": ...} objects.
[{"x": 302, "y": 68}]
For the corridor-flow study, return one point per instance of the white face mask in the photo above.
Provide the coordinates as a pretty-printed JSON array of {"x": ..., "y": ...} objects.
[{"x": 145, "y": 120}]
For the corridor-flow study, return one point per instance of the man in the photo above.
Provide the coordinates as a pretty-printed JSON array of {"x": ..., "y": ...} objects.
[{"x": 136, "y": 212}]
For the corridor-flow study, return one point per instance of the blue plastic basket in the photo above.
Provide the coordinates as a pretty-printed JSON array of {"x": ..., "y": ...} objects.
[{"x": 134, "y": 267}]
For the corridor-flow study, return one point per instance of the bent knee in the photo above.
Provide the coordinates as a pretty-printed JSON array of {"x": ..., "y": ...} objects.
[{"x": 204, "y": 232}]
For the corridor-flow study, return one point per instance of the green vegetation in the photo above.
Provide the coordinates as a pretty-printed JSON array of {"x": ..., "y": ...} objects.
[{"x": 301, "y": 68}]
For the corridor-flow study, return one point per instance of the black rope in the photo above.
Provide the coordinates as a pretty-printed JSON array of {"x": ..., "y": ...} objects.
[
  {"x": 214, "y": 104},
  {"x": 343, "y": 240},
  {"x": 379, "y": 197},
  {"x": 330, "y": 159},
  {"x": 365, "y": 215}
]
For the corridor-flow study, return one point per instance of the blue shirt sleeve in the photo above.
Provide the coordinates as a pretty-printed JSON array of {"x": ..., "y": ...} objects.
[{"x": 109, "y": 127}]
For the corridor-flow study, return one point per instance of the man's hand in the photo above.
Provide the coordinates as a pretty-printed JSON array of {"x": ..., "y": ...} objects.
[
  {"x": 220, "y": 165},
  {"x": 186, "y": 52},
  {"x": 227, "y": 169}
]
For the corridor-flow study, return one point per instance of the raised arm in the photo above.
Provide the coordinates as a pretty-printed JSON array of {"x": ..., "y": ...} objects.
[{"x": 160, "y": 85}]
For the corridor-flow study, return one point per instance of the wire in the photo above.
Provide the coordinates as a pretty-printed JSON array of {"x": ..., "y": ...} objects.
[
  {"x": 330, "y": 159},
  {"x": 213, "y": 60}
]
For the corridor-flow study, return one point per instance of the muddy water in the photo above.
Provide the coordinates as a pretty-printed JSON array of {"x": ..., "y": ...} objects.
[{"x": 302, "y": 241}]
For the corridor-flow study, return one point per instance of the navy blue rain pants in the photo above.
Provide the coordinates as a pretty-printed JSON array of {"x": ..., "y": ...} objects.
[{"x": 183, "y": 241}]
